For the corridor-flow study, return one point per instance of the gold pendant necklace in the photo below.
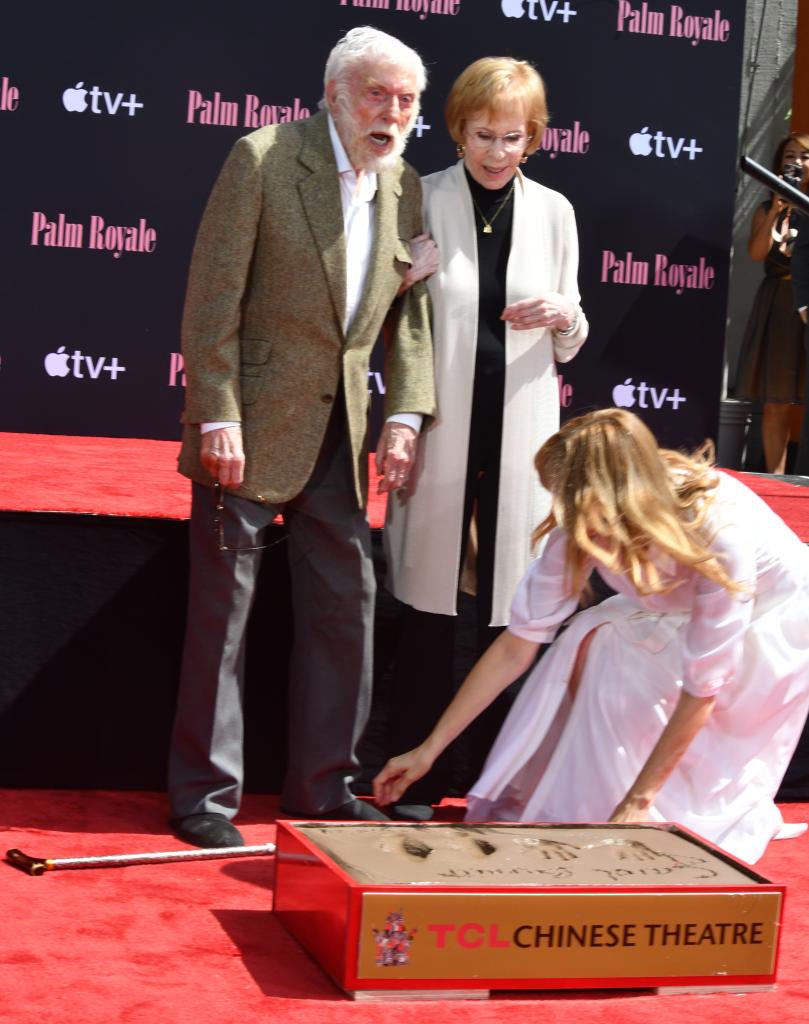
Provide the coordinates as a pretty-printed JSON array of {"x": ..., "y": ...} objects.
[{"x": 487, "y": 224}]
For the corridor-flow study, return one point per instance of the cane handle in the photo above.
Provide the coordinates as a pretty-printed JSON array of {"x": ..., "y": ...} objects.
[{"x": 30, "y": 865}]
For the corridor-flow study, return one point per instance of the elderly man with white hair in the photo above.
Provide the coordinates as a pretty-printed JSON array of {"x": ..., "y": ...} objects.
[{"x": 298, "y": 262}]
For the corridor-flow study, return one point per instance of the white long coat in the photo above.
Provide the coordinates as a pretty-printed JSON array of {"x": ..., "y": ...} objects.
[{"x": 423, "y": 528}]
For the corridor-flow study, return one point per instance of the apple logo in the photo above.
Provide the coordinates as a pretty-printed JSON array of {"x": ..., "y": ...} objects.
[
  {"x": 623, "y": 395},
  {"x": 74, "y": 99},
  {"x": 512, "y": 8},
  {"x": 640, "y": 143},
  {"x": 56, "y": 363}
]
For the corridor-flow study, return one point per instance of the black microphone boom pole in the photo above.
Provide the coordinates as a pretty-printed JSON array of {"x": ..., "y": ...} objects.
[{"x": 798, "y": 200}]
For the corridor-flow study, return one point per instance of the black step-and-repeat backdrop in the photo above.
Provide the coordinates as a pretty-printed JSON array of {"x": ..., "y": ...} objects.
[{"x": 115, "y": 119}]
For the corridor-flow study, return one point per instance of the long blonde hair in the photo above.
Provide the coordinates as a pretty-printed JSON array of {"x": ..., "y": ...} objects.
[{"x": 622, "y": 501}]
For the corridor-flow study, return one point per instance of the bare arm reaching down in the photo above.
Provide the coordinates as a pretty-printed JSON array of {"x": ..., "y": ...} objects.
[
  {"x": 689, "y": 716},
  {"x": 506, "y": 660}
]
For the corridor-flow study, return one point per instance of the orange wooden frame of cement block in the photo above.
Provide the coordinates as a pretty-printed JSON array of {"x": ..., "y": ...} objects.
[{"x": 487, "y": 936}]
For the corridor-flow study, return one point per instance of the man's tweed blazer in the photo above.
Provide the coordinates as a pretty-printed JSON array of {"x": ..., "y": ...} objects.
[{"x": 263, "y": 341}]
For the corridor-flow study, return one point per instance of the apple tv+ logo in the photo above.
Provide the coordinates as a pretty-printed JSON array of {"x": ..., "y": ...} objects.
[
  {"x": 66, "y": 364},
  {"x": 75, "y": 101},
  {"x": 665, "y": 146},
  {"x": 623, "y": 395},
  {"x": 548, "y": 9}
]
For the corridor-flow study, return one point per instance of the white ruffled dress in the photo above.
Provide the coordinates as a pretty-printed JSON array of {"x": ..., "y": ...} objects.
[{"x": 558, "y": 760}]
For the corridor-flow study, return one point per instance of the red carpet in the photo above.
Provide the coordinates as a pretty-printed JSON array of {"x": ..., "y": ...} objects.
[
  {"x": 107, "y": 476},
  {"x": 133, "y": 477},
  {"x": 197, "y": 943},
  {"x": 790, "y": 501}
]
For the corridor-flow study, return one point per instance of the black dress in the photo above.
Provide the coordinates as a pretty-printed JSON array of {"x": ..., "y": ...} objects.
[
  {"x": 773, "y": 359},
  {"x": 426, "y": 666}
]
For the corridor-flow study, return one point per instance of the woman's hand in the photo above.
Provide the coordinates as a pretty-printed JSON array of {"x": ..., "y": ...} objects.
[
  {"x": 424, "y": 254},
  {"x": 762, "y": 227},
  {"x": 549, "y": 310},
  {"x": 690, "y": 715},
  {"x": 399, "y": 773},
  {"x": 630, "y": 809}
]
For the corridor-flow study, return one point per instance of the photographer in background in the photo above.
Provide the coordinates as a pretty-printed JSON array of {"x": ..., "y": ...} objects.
[
  {"x": 772, "y": 364},
  {"x": 800, "y": 292}
]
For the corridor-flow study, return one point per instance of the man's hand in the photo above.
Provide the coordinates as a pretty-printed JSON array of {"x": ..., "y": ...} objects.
[
  {"x": 221, "y": 453},
  {"x": 424, "y": 253},
  {"x": 395, "y": 454}
]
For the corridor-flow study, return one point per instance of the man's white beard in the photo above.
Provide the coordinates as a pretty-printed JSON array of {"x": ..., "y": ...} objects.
[{"x": 356, "y": 143}]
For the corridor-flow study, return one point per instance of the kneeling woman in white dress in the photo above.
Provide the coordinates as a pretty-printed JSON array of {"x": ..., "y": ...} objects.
[{"x": 681, "y": 698}]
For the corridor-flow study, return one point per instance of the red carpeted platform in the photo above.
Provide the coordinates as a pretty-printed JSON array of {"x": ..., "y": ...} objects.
[
  {"x": 134, "y": 477},
  {"x": 197, "y": 943},
  {"x": 107, "y": 476}
]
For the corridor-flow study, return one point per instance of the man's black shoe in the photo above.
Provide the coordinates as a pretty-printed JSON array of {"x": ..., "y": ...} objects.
[
  {"x": 354, "y": 810},
  {"x": 211, "y": 831}
]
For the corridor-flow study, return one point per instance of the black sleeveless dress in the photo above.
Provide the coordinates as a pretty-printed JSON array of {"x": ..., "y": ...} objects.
[{"x": 772, "y": 361}]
